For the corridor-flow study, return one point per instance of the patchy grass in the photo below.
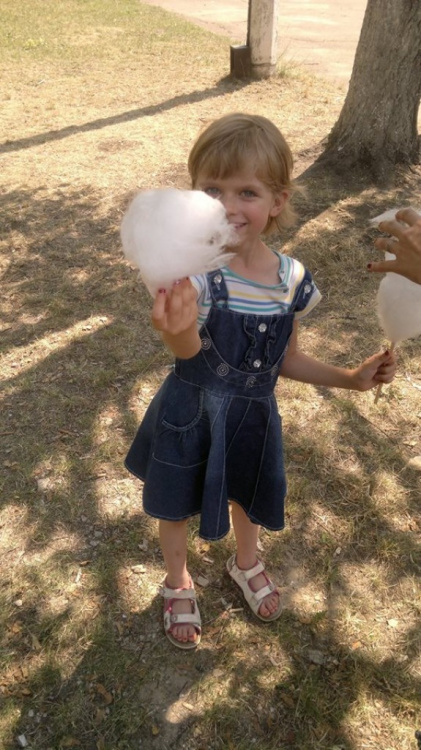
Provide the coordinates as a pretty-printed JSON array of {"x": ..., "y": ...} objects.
[{"x": 100, "y": 99}]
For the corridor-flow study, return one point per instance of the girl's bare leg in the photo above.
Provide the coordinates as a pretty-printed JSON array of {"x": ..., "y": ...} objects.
[
  {"x": 246, "y": 535},
  {"x": 173, "y": 539}
]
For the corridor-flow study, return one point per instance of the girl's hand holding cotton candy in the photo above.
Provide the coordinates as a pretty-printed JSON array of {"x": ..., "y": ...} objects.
[
  {"x": 378, "y": 369},
  {"x": 170, "y": 234},
  {"x": 174, "y": 314}
]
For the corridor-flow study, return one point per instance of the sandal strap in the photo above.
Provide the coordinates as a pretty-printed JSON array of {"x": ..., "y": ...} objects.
[
  {"x": 250, "y": 572},
  {"x": 257, "y": 596},
  {"x": 184, "y": 619},
  {"x": 168, "y": 593}
]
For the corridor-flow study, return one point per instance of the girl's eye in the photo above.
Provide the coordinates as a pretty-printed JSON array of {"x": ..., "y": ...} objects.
[
  {"x": 212, "y": 191},
  {"x": 249, "y": 194}
]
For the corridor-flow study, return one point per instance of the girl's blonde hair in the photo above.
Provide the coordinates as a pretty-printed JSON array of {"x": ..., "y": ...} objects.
[{"x": 238, "y": 142}]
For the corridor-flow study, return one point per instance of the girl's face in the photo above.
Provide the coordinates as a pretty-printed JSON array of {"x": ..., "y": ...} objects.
[{"x": 248, "y": 202}]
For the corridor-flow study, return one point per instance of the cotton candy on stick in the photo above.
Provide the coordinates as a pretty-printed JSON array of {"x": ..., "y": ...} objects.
[
  {"x": 398, "y": 302},
  {"x": 169, "y": 234}
]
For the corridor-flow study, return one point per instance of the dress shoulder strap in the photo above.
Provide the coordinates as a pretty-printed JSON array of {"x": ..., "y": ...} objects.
[{"x": 218, "y": 288}]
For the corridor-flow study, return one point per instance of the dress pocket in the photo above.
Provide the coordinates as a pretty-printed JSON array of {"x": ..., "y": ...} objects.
[{"x": 183, "y": 434}]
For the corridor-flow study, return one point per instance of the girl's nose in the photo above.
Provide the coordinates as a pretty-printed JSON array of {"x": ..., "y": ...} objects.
[{"x": 229, "y": 203}]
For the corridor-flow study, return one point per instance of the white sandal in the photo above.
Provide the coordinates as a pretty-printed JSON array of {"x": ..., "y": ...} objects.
[
  {"x": 254, "y": 598},
  {"x": 171, "y": 619}
]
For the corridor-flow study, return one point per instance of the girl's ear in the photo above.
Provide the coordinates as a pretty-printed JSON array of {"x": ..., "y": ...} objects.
[{"x": 279, "y": 200}]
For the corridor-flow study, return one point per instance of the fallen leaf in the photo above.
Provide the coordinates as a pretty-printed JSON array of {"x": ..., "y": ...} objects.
[
  {"x": 414, "y": 463},
  {"x": 155, "y": 730},
  {"x": 100, "y": 715},
  {"x": 35, "y": 642},
  {"x": 210, "y": 632},
  {"x": 285, "y": 698},
  {"x": 105, "y": 694},
  {"x": 138, "y": 569},
  {"x": 316, "y": 657},
  {"x": 393, "y": 623},
  {"x": 70, "y": 742},
  {"x": 16, "y": 627},
  {"x": 304, "y": 619}
]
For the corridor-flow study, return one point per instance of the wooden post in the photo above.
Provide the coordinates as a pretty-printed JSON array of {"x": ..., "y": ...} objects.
[
  {"x": 258, "y": 58},
  {"x": 263, "y": 36}
]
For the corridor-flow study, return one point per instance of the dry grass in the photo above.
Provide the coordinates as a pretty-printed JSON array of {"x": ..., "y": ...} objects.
[{"x": 100, "y": 99}]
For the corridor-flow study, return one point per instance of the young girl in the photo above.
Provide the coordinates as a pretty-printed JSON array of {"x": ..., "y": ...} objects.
[{"x": 212, "y": 434}]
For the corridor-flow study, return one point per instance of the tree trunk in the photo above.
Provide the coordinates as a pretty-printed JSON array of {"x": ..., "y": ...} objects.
[{"x": 377, "y": 128}]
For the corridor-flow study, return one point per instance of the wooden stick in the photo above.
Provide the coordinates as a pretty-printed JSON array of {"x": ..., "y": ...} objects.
[{"x": 380, "y": 385}]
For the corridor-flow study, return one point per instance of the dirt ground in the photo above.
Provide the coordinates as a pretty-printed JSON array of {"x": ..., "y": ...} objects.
[{"x": 321, "y": 36}]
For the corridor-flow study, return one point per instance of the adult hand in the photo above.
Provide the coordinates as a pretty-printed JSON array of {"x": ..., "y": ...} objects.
[{"x": 406, "y": 246}]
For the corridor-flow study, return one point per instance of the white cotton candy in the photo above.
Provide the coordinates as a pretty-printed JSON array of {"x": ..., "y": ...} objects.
[
  {"x": 389, "y": 215},
  {"x": 169, "y": 234},
  {"x": 399, "y": 306}
]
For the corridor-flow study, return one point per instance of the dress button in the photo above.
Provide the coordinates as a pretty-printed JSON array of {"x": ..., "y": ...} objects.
[
  {"x": 262, "y": 327},
  {"x": 257, "y": 363},
  {"x": 222, "y": 369},
  {"x": 218, "y": 278},
  {"x": 307, "y": 288}
]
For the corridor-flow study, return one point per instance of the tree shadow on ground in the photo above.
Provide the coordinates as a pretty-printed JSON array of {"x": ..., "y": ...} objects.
[{"x": 224, "y": 86}]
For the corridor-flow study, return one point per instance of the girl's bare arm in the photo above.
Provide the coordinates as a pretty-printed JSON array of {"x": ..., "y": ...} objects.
[{"x": 379, "y": 368}]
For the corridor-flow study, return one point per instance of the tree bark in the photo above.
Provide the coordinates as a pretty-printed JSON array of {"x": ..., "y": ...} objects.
[{"x": 377, "y": 128}]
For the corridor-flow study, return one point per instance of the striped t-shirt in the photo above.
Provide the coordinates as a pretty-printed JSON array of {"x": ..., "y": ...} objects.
[{"x": 246, "y": 296}]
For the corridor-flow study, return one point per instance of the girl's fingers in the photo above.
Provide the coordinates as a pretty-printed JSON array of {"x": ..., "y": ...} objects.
[
  {"x": 158, "y": 309},
  {"x": 174, "y": 310}
]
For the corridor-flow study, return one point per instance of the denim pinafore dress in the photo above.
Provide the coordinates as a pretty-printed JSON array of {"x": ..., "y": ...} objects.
[{"x": 212, "y": 433}]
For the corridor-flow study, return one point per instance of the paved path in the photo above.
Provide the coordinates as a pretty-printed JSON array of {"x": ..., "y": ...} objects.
[{"x": 321, "y": 36}]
